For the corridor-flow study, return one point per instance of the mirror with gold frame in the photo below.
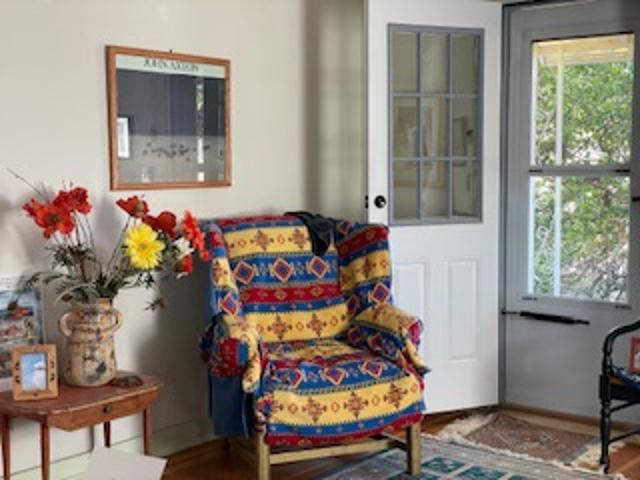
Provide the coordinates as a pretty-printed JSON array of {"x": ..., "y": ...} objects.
[{"x": 169, "y": 124}]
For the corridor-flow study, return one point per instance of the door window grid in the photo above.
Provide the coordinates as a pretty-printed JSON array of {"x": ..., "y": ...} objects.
[{"x": 435, "y": 172}]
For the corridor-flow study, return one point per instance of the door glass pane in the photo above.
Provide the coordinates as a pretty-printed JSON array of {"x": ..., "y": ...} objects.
[
  {"x": 583, "y": 97},
  {"x": 434, "y": 63},
  {"x": 435, "y": 192},
  {"x": 463, "y": 131},
  {"x": 405, "y": 127},
  {"x": 434, "y": 123},
  {"x": 465, "y": 188},
  {"x": 579, "y": 237},
  {"x": 405, "y": 190},
  {"x": 464, "y": 68},
  {"x": 435, "y": 127},
  {"x": 405, "y": 61}
]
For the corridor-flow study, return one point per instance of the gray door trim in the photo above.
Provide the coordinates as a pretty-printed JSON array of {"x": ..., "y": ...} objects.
[{"x": 522, "y": 24}]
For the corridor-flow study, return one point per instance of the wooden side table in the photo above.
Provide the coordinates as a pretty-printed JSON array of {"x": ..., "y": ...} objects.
[{"x": 78, "y": 408}]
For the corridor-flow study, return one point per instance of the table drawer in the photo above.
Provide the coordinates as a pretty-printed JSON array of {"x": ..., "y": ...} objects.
[{"x": 102, "y": 412}]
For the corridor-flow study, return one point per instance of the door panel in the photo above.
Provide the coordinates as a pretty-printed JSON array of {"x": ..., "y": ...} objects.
[
  {"x": 461, "y": 297},
  {"x": 447, "y": 274},
  {"x": 410, "y": 286},
  {"x": 457, "y": 298}
]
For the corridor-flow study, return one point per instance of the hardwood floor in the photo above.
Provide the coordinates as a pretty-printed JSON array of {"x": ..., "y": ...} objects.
[{"x": 218, "y": 460}]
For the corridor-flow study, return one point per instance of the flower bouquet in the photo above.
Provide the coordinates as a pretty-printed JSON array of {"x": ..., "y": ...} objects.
[{"x": 148, "y": 248}]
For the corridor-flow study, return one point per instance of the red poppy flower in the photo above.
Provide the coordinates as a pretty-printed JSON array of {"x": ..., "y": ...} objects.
[
  {"x": 190, "y": 225},
  {"x": 52, "y": 218},
  {"x": 193, "y": 233},
  {"x": 31, "y": 207},
  {"x": 75, "y": 200},
  {"x": 186, "y": 265},
  {"x": 165, "y": 222},
  {"x": 134, "y": 206},
  {"x": 197, "y": 240}
]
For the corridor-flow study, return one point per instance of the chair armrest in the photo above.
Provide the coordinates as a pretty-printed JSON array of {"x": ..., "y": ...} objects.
[
  {"x": 390, "y": 332},
  {"x": 607, "y": 347},
  {"x": 231, "y": 346}
]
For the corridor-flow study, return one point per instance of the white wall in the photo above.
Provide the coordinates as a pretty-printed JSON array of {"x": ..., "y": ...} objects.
[
  {"x": 335, "y": 92},
  {"x": 296, "y": 127}
]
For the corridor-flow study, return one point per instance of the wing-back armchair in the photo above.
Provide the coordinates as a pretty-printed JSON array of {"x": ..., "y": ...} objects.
[{"x": 315, "y": 339}]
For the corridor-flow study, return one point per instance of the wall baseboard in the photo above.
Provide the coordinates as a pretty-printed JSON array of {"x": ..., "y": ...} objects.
[{"x": 166, "y": 441}]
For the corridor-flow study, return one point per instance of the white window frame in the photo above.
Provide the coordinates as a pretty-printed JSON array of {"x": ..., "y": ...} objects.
[{"x": 590, "y": 20}]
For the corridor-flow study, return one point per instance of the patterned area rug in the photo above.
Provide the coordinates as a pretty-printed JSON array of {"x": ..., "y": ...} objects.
[
  {"x": 506, "y": 432},
  {"x": 514, "y": 435},
  {"x": 449, "y": 460}
]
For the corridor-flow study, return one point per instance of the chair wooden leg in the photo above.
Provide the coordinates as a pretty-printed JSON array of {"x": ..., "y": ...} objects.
[
  {"x": 413, "y": 449},
  {"x": 605, "y": 433},
  {"x": 263, "y": 467}
]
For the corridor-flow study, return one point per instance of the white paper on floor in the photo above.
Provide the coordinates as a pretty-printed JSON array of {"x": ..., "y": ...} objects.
[{"x": 110, "y": 464}]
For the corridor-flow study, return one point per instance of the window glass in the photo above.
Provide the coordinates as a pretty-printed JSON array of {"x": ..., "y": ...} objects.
[
  {"x": 435, "y": 121},
  {"x": 579, "y": 230},
  {"x": 583, "y": 99},
  {"x": 405, "y": 127},
  {"x": 463, "y": 133},
  {"x": 435, "y": 127},
  {"x": 435, "y": 191},
  {"x": 464, "y": 68},
  {"x": 434, "y": 62},
  {"x": 405, "y": 66},
  {"x": 582, "y": 95},
  {"x": 405, "y": 188},
  {"x": 464, "y": 186}
]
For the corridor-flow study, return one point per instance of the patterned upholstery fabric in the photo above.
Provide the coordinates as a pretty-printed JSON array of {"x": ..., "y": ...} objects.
[
  {"x": 365, "y": 267},
  {"x": 390, "y": 333},
  {"x": 315, "y": 339},
  {"x": 631, "y": 379},
  {"x": 286, "y": 292},
  {"x": 321, "y": 391}
]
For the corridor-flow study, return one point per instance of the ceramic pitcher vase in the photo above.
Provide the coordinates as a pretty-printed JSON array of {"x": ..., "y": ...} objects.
[{"x": 90, "y": 355}]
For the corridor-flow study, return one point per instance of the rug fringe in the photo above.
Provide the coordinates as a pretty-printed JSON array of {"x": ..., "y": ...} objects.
[{"x": 465, "y": 426}]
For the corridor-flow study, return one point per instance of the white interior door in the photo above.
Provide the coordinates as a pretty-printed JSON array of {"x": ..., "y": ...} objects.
[{"x": 445, "y": 261}]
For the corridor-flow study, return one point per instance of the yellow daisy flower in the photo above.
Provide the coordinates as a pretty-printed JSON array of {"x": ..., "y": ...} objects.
[{"x": 143, "y": 247}]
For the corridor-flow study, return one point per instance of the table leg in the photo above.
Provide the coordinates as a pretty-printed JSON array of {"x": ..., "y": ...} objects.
[
  {"x": 44, "y": 450},
  {"x": 146, "y": 418},
  {"x": 6, "y": 447},
  {"x": 107, "y": 434}
]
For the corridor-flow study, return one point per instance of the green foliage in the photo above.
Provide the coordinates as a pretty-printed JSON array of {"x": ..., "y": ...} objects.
[{"x": 595, "y": 211}]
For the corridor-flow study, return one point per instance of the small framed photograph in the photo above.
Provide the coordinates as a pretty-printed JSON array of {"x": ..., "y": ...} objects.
[
  {"x": 634, "y": 356},
  {"x": 123, "y": 137},
  {"x": 35, "y": 372},
  {"x": 21, "y": 322}
]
